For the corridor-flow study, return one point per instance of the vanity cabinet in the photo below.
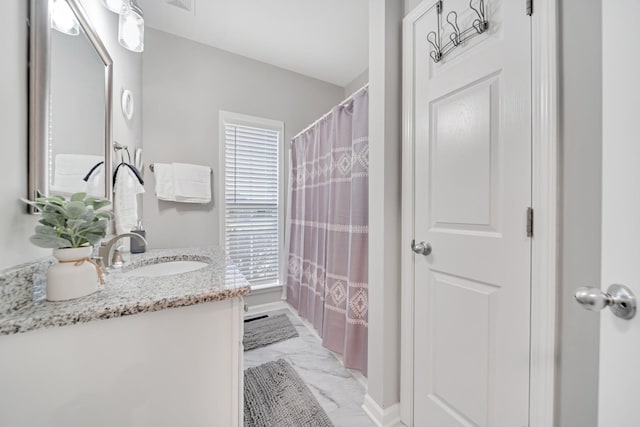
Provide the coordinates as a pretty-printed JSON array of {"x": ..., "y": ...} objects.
[{"x": 173, "y": 367}]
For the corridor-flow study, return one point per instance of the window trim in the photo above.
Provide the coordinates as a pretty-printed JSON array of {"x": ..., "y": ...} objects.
[{"x": 228, "y": 117}]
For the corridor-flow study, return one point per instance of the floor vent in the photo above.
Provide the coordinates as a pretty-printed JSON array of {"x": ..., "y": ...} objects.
[{"x": 255, "y": 318}]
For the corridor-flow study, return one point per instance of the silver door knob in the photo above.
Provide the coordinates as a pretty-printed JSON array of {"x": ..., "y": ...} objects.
[
  {"x": 618, "y": 298},
  {"x": 421, "y": 248}
]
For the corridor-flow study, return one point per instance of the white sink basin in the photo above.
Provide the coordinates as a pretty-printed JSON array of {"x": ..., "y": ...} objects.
[{"x": 166, "y": 268}]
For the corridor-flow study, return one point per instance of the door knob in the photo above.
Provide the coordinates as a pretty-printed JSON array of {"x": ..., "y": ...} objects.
[
  {"x": 618, "y": 298},
  {"x": 421, "y": 248}
]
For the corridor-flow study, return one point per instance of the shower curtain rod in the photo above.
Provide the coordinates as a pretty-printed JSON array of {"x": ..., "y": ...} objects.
[{"x": 341, "y": 104}]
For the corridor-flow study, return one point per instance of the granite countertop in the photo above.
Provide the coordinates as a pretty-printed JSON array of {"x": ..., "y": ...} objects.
[{"x": 23, "y": 306}]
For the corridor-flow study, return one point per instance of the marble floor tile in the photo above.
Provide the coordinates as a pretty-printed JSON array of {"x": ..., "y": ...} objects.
[{"x": 340, "y": 394}]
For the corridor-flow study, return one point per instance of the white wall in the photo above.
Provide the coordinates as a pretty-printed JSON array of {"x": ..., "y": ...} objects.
[
  {"x": 15, "y": 224},
  {"x": 385, "y": 147},
  {"x": 619, "y": 339},
  {"x": 186, "y": 84}
]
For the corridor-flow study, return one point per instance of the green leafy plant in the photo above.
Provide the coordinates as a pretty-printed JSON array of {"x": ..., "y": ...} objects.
[{"x": 73, "y": 223}]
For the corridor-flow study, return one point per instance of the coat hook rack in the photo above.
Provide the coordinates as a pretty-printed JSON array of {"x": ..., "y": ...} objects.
[{"x": 456, "y": 37}]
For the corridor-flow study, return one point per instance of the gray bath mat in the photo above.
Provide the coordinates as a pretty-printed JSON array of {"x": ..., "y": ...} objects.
[
  {"x": 276, "y": 396},
  {"x": 269, "y": 330}
]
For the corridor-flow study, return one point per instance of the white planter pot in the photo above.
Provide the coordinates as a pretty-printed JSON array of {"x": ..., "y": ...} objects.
[{"x": 70, "y": 279}]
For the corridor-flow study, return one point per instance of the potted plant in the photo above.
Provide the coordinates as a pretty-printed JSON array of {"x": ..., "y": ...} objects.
[{"x": 71, "y": 228}]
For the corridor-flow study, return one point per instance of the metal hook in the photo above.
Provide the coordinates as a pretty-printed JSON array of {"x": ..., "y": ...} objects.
[
  {"x": 432, "y": 38},
  {"x": 117, "y": 147},
  {"x": 481, "y": 24},
  {"x": 479, "y": 11},
  {"x": 436, "y": 54},
  {"x": 455, "y": 36}
]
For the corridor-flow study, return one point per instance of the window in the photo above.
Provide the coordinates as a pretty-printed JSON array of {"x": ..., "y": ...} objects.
[{"x": 252, "y": 227}]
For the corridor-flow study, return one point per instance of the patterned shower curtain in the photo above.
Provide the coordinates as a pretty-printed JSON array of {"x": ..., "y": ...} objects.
[{"x": 328, "y": 229}]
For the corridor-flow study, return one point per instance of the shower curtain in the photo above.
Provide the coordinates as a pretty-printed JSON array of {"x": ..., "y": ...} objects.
[{"x": 328, "y": 229}]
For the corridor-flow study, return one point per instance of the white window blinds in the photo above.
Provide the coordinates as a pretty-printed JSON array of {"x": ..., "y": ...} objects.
[{"x": 251, "y": 201}]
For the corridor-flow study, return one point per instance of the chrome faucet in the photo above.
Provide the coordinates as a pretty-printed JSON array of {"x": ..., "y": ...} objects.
[{"x": 107, "y": 247}]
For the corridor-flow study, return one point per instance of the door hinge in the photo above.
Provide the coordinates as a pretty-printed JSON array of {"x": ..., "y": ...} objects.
[
  {"x": 529, "y": 7},
  {"x": 529, "y": 222}
]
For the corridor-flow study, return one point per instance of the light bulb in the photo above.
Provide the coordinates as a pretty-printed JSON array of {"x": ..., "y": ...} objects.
[
  {"x": 63, "y": 19},
  {"x": 117, "y": 6},
  {"x": 131, "y": 29}
]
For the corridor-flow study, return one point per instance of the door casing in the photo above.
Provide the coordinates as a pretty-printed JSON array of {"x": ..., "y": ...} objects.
[{"x": 544, "y": 50}]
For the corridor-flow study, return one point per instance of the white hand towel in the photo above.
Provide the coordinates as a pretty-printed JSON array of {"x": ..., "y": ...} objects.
[
  {"x": 125, "y": 203},
  {"x": 69, "y": 171},
  {"x": 95, "y": 183},
  {"x": 164, "y": 182},
  {"x": 192, "y": 183}
]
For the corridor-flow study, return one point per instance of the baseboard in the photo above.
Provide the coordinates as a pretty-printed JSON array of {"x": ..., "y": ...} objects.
[
  {"x": 265, "y": 308},
  {"x": 263, "y": 296},
  {"x": 389, "y": 417}
]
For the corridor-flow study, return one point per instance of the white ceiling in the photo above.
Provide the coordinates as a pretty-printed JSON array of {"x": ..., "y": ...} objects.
[{"x": 324, "y": 39}]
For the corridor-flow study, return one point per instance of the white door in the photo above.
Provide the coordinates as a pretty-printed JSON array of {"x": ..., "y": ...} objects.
[
  {"x": 472, "y": 161},
  {"x": 620, "y": 339}
]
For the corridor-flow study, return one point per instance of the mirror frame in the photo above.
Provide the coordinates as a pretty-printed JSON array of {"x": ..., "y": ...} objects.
[{"x": 40, "y": 99}]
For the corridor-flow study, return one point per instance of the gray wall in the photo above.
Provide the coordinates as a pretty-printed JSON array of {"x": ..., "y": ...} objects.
[
  {"x": 127, "y": 74},
  {"x": 77, "y": 96},
  {"x": 15, "y": 224},
  {"x": 385, "y": 172},
  {"x": 186, "y": 84},
  {"x": 356, "y": 83},
  {"x": 581, "y": 203},
  {"x": 409, "y": 5}
]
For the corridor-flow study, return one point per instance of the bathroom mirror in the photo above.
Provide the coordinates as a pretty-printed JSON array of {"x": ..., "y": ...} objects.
[{"x": 70, "y": 102}]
